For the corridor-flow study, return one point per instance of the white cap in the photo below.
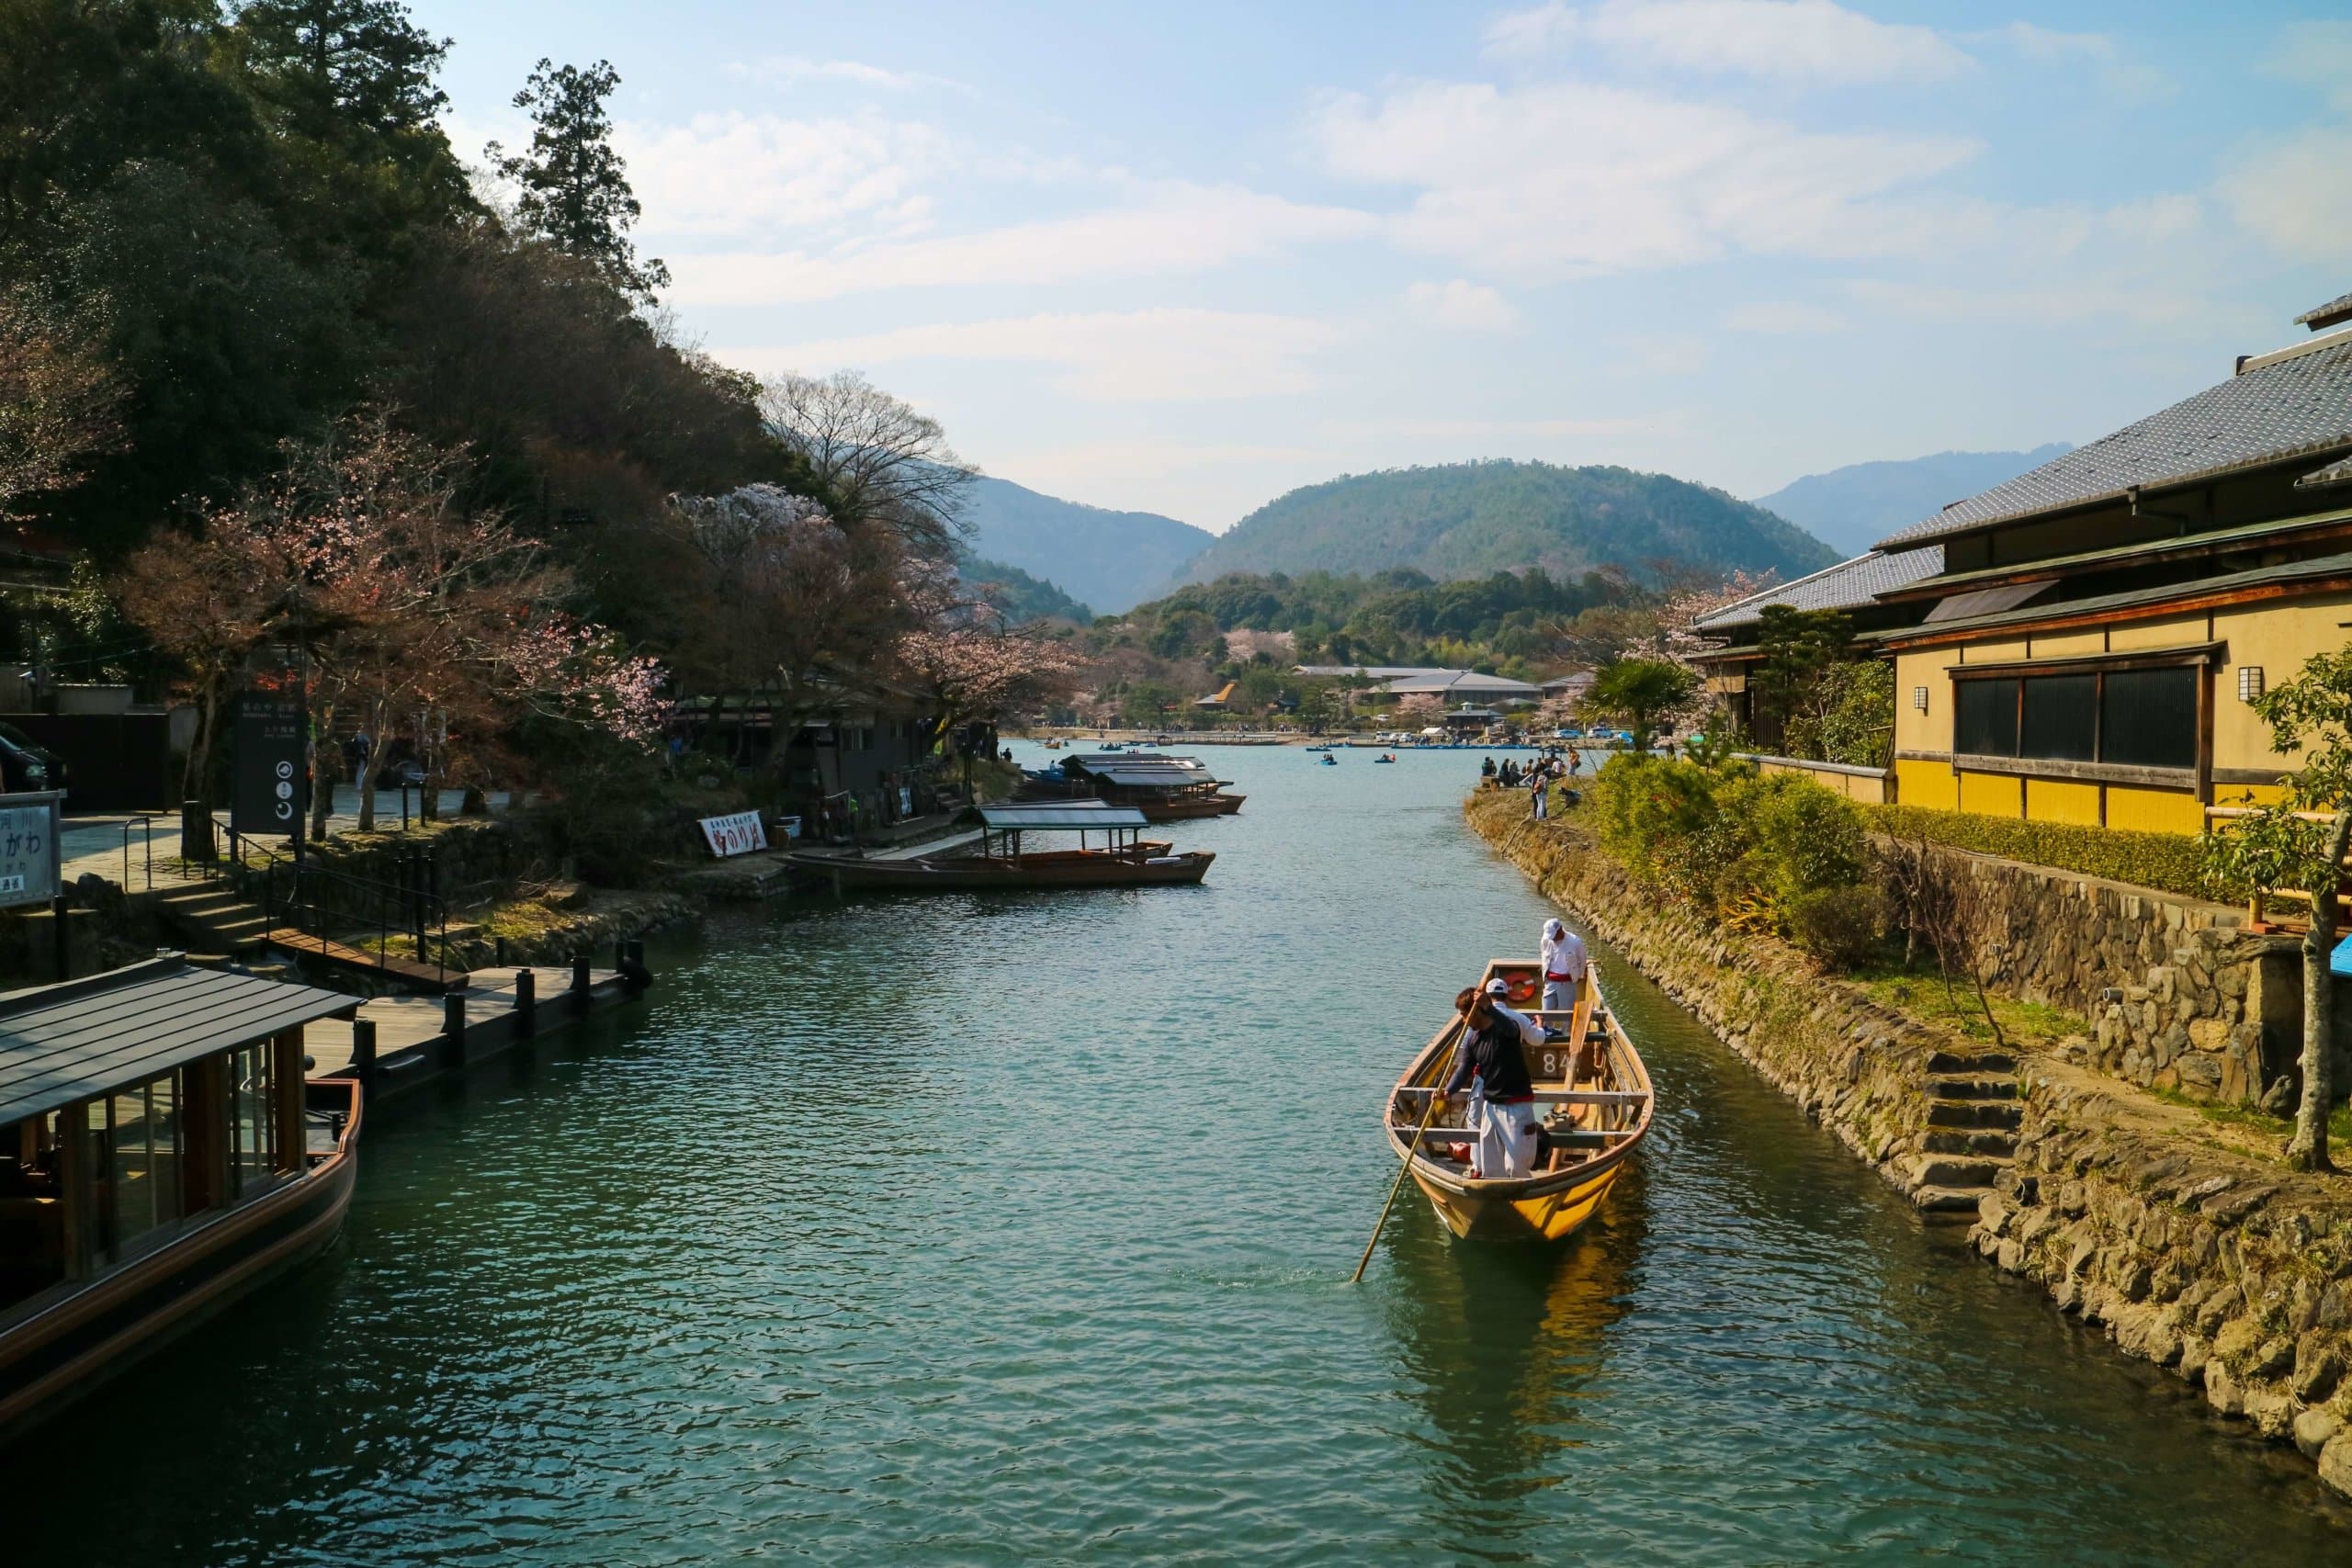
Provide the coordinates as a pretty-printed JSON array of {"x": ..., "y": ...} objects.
[{"x": 1498, "y": 989}]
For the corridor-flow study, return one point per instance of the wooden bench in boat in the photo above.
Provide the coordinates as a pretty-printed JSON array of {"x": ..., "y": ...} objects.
[{"x": 1560, "y": 1096}]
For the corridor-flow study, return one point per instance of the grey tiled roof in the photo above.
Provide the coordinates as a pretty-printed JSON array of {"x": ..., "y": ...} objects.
[
  {"x": 2335, "y": 473},
  {"x": 2301, "y": 403},
  {"x": 2334, "y": 310},
  {"x": 1839, "y": 587}
]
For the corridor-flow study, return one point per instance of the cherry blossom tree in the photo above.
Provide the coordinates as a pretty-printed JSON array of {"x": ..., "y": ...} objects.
[
  {"x": 358, "y": 558},
  {"x": 59, "y": 403}
]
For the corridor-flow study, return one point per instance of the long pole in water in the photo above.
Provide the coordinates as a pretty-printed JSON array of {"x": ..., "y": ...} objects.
[{"x": 1437, "y": 1094}]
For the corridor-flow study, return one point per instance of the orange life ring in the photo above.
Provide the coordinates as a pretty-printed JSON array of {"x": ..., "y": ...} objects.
[{"x": 1522, "y": 989}]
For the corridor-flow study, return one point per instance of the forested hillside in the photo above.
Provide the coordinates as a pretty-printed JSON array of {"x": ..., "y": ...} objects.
[{"x": 1469, "y": 519}]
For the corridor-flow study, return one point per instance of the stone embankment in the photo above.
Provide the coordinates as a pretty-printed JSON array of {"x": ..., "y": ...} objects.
[{"x": 2195, "y": 1251}]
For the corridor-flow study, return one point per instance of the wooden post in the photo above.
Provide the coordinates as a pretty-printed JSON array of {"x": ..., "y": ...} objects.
[
  {"x": 286, "y": 1073},
  {"x": 63, "y": 940},
  {"x": 526, "y": 1004},
  {"x": 582, "y": 984},
  {"x": 452, "y": 1030},
  {"x": 363, "y": 1053},
  {"x": 501, "y": 945}
]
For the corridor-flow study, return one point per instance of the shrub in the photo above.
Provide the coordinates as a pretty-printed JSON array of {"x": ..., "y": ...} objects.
[
  {"x": 1725, "y": 838},
  {"x": 1844, "y": 927},
  {"x": 2174, "y": 862},
  {"x": 1656, "y": 819}
]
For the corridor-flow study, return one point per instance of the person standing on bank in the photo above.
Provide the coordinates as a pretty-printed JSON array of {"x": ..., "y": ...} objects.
[
  {"x": 1565, "y": 962},
  {"x": 1490, "y": 1062}
]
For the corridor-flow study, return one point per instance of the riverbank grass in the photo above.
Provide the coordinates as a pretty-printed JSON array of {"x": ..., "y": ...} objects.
[{"x": 1921, "y": 993}]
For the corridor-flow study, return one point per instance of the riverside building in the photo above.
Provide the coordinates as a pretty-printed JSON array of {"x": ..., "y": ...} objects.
[{"x": 2083, "y": 643}]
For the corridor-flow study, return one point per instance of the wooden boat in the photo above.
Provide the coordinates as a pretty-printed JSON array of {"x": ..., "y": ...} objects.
[
  {"x": 1330, "y": 760},
  {"x": 1598, "y": 1097},
  {"x": 1165, "y": 789},
  {"x": 1000, "y": 863},
  {"x": 159, "y": 1156}
]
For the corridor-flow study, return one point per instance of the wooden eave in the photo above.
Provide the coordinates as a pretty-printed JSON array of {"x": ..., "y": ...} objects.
[
  {"x": 2311, "y": 528},
  {"x": 2301, "y": 579}
]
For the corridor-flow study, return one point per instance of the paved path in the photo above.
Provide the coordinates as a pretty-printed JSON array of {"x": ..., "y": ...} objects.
[{"x": 96, "y": 842}]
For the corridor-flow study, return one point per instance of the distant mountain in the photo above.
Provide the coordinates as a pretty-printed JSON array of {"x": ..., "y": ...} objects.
[
  {"x": 1856, "y": 506},
  {"x": 1110, "y": 559},
  {"x": 1469, "y": 519},
  {"x": 1018, "y": 595}
]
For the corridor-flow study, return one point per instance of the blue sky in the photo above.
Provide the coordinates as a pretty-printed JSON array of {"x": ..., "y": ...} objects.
[{"x": 1185, "y": 257}]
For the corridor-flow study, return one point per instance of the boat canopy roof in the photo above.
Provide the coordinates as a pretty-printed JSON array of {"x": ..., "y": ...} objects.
[
  {"x": 1165, "y": 776},
  {"x": 61, "y": 1044},
  {"x": 1073, "y": 816}
]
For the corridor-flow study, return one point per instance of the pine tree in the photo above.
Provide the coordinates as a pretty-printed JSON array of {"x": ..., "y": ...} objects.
[{"x": 575, "y": 187}]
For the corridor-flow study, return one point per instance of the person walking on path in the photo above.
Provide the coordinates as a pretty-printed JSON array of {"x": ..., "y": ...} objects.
[
  {"x": 1565, "y": 963},
  {"x": 1540, "y": 789}
]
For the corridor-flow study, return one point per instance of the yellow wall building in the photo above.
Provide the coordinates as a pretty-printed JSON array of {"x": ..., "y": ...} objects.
[{"x": 2084, "y": 643}]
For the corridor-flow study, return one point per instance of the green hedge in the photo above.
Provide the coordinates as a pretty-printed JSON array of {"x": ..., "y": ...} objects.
[{"x": 2172, "y": 861}]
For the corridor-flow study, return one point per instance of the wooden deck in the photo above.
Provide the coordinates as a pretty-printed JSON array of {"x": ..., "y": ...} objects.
[{"x": 413, "y": 1039}]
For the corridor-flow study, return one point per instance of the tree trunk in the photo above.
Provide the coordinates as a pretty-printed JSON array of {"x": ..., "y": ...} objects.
[
  {"x": 2308, "y": 1151},
  {"x": 366, "y": 785}
]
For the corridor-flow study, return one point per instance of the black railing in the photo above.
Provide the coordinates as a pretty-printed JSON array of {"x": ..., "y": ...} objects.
[{"x": 361, "y": 912}]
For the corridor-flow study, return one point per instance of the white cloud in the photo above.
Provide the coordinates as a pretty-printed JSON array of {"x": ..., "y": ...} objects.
[
  {"x": 1785, "y": 317},
  {"x": 1151, "y": 356},
  {"x": 1169, "y": 227},
  {"x": 1568, "y": 179},
  {"x": 2295, "y": 193},
  {"x": 2098, "y": 53},
  {"x": 1812, "y": 40},
  {"x": 737, "y": 173},
  {"x": 1462, "y": 305},
  {"x": 2318, "y": 54},
  {"x": 792, "y": 68}
]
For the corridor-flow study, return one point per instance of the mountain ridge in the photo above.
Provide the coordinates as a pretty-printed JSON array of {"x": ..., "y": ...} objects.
[
  {"x": 1108, "y": 561},
  {"x": 1853, "y": 507},
  {"x": 1459, "y": 520}
]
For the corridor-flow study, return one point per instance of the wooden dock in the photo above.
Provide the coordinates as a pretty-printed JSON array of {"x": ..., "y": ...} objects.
[{"x": 414, "y": 1039}]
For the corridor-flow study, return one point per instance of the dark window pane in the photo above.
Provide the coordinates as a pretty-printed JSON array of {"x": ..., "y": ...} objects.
[
  {"x": 1986, "y": 718},
  {"x": 2061, "y": 716},
  {"x": 2148, "y": 718}
]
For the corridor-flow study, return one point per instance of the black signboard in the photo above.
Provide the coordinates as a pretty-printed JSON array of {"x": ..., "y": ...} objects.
[{"x": 269, "y": 791}]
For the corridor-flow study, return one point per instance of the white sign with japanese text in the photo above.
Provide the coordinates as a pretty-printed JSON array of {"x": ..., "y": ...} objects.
[
  {"x": 28, "y": 849},
  {"x": 737, "y": 835}
]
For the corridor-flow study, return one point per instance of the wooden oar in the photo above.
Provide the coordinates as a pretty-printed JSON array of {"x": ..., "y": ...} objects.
[{"x": 1437, "y": 1093}]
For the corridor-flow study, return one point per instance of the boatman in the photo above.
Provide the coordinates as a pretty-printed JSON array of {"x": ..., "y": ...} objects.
[
  {"x": 1492, "y": 1064},
  {"x": 1565, "y": 961}
]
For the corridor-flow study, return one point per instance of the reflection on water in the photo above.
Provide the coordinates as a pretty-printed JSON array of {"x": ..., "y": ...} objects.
[{"x": 1008, "y": 1230}]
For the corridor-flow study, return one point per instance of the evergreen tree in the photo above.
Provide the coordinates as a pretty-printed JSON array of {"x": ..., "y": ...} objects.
[
  {"x": 344, "y": 67},
  {"x": 575, "y": 187}
]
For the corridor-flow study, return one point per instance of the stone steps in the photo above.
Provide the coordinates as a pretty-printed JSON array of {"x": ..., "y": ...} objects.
[
  {"x": 1974, "y": 1063},
  {"x": 1947, "y": 1141},
  {"x": 1959, "y": 1202},
  {"x": 1955, "y": 1088},
  {"x": 2004, "y": 1115}
]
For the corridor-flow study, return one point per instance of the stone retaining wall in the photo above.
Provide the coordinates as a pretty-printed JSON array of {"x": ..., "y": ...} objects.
[
  {"x": 2230, "y": 1271},
  {"x": 2235, "y": 1274},
  {"x": 2179, "y": 996}
]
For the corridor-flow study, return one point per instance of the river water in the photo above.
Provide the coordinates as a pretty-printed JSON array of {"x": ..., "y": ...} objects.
[{"x": 1018, "y": 1230}]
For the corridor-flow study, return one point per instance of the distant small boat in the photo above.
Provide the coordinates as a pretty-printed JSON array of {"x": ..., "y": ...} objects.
[
  {"x": 1383, "y": 756},
  {"x": 1330, "y": 760}
]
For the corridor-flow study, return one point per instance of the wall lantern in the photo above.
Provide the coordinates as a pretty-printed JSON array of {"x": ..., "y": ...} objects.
[
  {"x": 2249, "y": 683},
  {"x": 1919, "y": 698}
]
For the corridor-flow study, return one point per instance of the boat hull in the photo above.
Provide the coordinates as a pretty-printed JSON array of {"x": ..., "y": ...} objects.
[
  {"x": 954, "y": 874},
  {"x": 59, "y": 1353},
  {"x": 1523, "y": 1211}
]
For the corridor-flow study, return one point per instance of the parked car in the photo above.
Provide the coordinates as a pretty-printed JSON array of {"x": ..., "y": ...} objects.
[{"x": 25, "y": 764}]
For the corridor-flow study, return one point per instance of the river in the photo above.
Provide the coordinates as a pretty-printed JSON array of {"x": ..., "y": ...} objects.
[{"x": 1018, "y": 1230}]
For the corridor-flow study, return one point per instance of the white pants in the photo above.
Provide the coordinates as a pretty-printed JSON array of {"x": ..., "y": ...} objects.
[
  {"x": 1559, "y": 996},
  {"x": 1505, "y": 1145}
]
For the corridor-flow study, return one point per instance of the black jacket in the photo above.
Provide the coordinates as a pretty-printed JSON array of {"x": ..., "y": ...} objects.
[{"x": 1496, "y": 1055}]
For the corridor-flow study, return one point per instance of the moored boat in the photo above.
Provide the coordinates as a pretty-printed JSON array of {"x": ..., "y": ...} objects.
[
  {"x": 161, "y": 1155},
  {"x": 1599, "y": 1102},
  {"x": 1000, "y": 863},
  {"x": 1164, "y": 788}
]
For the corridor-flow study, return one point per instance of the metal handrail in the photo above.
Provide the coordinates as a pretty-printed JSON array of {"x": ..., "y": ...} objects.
[
  {"x": 296, "y": 893},
  {"x": 147, "y": 825}
]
